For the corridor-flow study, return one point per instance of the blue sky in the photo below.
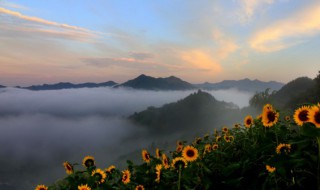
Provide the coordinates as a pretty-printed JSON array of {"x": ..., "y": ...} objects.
[{"x": 198, "y": 41}]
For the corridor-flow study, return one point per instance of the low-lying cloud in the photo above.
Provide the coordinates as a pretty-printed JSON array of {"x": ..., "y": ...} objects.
[{"x": 42, "y": 129}]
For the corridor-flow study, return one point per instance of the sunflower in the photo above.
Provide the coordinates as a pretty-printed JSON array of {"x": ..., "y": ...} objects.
[
  {"x": 179, "y": 162},
  {"x": 215, "y": 133},
  {"x": 83, "y": 187},
  {"x": 267, "y": 107},
  {"x": 190, "y": 153},
  {"x": 88, "y": 161},
  {"x": 283, "y": 148},
  {"x": 225, "y": 129},
  {"x": 236, "y": 126},
  {"x": 215, "y": 146},
  {"x": 269, "y": 117},
  {"x": 207, "y": 148},
  {"x": 287, "y": 118},
  {"x": 226, "y": 138},
  {"x": 41, "y": 187},
  {"x": 145, "y": 156},
  {"x": 300, "y": 115},
  {"x": 179, "y": 143},
  {"x": 270, "y": 169},
  {"x": 179, "y": 148},
  {"x": 248, "y": 121},
  {"x": 314, "y": 115},
  {"x": 218, "y": 138},
  {"x": 100, "y": 175},
  {"x": 158, "y": 172},
  {"x": 197, "y": 141},
  {"x": 110, "y": 169},
  {"x": 126, "y": 176},
  {"x": 165, "y": 161},
  {"x": 139, "y": 187},
  {"x": 231, "y": 138},
  {"x": 68, "y": 167},
  {"x": 206, "y": 136},
  {"x": 158, "y": 153}
]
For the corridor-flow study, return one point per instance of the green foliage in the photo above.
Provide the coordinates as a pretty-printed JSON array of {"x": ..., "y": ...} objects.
[
  {"x": 238, "y": 163},
  {"x": 261, "y": 98},
  {"x": 199, "y": 109}
]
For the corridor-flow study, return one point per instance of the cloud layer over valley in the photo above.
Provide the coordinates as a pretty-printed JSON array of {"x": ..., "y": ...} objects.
[{"x": 42, "y": 129}]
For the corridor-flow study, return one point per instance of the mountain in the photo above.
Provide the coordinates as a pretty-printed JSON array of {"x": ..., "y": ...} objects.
[
  {"x": 298, "y": 91},
  {"x": 198, "y": 112},
  {"x": 243, "y": 85},
  {"x": 67, "y": 85},
  {"x": 2, "y": 86},
  {"x": 150, "y": 83}
]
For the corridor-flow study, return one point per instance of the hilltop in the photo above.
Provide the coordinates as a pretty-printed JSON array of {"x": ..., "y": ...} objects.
[{"x": 150, "y": 83}]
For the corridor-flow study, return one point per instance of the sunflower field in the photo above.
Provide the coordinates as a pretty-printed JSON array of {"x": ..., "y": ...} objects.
[{"x": 271, "y": 151}]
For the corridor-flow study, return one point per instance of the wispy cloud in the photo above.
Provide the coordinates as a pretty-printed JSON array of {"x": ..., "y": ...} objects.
[
  {"x": 141, "y": 55},
  {"x": 40, "y": 25},
  {"x": 142, "y": 65},
  {"x": 226, "y": 44},
  {"x": 250, "y": 7},
  {"x": 12, "y": 5},
  {"x": 288, "y": 32}
]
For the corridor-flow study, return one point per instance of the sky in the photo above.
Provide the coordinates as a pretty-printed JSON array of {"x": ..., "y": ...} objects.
[{"x": 198, "y": 41}]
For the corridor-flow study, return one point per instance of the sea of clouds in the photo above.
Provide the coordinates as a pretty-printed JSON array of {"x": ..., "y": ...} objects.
[{"x": 42, "y": 129}]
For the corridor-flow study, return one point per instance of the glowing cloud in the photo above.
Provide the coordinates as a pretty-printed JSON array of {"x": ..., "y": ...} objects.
[
  {"x": 201, "y": 60},
  {"x": 275, "y": 37}
]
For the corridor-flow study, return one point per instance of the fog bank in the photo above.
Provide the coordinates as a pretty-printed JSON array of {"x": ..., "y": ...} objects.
[{"x": 42, "y": 129}]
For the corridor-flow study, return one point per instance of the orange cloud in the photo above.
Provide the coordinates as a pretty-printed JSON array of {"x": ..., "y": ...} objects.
[
  {"x": 273, "y": 38},
  {"x": 200, "y": 60}
]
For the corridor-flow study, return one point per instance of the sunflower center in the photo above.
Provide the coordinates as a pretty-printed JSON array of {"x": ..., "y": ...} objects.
[
  {"x": 248, "y": 122},
  {"x": 180, "y": 163},
  {"x": 139, "y": 188},
  {"x": 68, "y": 167},
  {"x": 271, "y": 116},
  {"x": 98, "y": 176},
  {"x": 303, "y": 115},
  {"x": 147, "y": 156},
  {"x": 190, "y": 153},
  {"x": 89, "y": 163},
  {"x": 125, "y": 177},
  {"x": 317, "y": 117}
]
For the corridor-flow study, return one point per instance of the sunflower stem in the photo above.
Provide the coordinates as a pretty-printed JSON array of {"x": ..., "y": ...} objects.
[
  {"x": 179, "y": 177},
  {"x": 318, "y": 140}
]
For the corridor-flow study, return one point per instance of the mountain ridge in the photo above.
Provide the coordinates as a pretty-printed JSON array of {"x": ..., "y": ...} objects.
[
  {"x": 197, "y": 109},
  {"x": 243, "y": 84},
  {"x": 145, "y": 82},
  {"x": 68, "y": 85}
]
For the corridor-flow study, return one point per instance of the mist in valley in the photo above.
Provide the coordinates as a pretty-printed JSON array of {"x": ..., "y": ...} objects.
[{"x": 42, "y": 129}]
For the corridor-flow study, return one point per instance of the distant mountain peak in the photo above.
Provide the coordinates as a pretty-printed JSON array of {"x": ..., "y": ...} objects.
[
  {"x": 150, "y": 83},
  {"x": 245, "y": 84}
]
